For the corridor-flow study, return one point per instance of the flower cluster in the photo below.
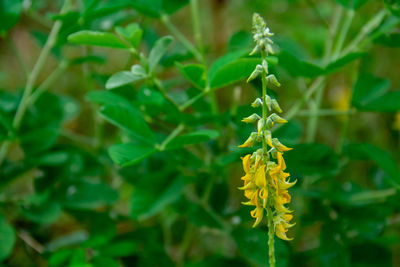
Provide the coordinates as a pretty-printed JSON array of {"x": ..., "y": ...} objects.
[{"x": 266, "y": 183}]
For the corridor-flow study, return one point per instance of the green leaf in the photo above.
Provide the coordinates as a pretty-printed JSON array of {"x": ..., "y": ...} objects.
[
  {"x": 159, "y": 49},
  {"x": 200, "y": 136},
  {"x": 391, "y": 40},
  {"x": 129, "y": 119},
  {"x": 155, "y": 8},
  {"x": 352, "y": 4},
  {"x": 10, "y": 11},
  {"x": 106, "y": 97},
  {"x": 194, "y": 73},
  {"x": 252, "y": 244},
  {"x": 45, "y": 213},
  {"x": 84, "y": 195},
  {"x": 132, "y": 33},
  {"x": 129, "y": 154},
  {"x": 123, "y": 78},
  {"x": 381, "y": 157},
  {"x": 118, "y": 249},
  {"x": 232, "y": 72},
  {"x": 7, "y": 238},
  {"x": 96, "y": 38},
  {"x": 310, "y": 159},
  {"x": 339, "y": 63},
  {"x": 39, "y": 140},
  {"x": 297, "y": 67},
  {"x": 370, "y": 93},
  {"x": 145, "y": 204},
  {"x": 100, "y": 261},
  {"x": 224, "y": 60}
]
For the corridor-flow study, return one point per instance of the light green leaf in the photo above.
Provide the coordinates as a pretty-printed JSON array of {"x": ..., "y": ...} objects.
[
  {"x": 10, "y": 11},
  {"x": 197, "y": 137},
  {"x": 7, "y": 238},
  {"x": 224, "y": 60},
  {"x": 129, "y": 154},
  {"x": 297, "y": 67},
  {"x": 96, "y": 38},
  {"x": 106, "y": 97},
  {"x": 128, "y": 119},
  {"x": 233, "y": 72},
  {"x": 132, "y": 33},
  {"x": 194, "y": 73},
  {"x": 159, "y": 49},
  {"x": 123, "y": 78},
  {"x": 336, "y": 65}
]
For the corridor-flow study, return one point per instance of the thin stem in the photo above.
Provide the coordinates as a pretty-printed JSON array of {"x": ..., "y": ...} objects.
[
  {"x": 343, "y": 34},
  {"x": 193, "y": 100},
  {"x": 171, "y": 136},
  {"x": 271, "y": 237},
  {"x": 332, "y": 31},
  {"x": 161, "y": 88},
  {"x": 313, "y": 120},
  {"x": 185, "y": 42},
  {"x": 367, "y": 29},
  {"x": 15, "y": 50},
  {"x": 23, "y": 105},
  {"x": 194, "y": 7},
  {"x": 325, "y": 112}
]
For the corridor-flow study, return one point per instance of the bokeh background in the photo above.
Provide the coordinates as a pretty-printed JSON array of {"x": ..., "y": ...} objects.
[{"x": 65, "y": 199}]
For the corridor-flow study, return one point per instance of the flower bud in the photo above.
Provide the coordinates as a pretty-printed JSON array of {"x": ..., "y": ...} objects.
[
  {"x": 276, "y": 118},
  {"x": 267, "y": 100},
  {"x": 255, "y": 50},
  {"x": 272, "y": 79},
  {"x": 257, "y": 71},
  {"x": 260, "y": 126},
  {"x": 257, "y": 103},
  {"x": 265, "y": 66},
  {"x": 268, "y": 138},
  {"x": 250, "y": 141},
  {"x": 269, "y": 49},
  {"x": 252, "y": 118},
  {"x": 270, "y": 123},
  {"x": 276, "y": 106},
  {"x": 279, "y": 146}
]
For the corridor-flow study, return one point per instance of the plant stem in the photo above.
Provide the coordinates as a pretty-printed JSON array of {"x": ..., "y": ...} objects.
[
  {"x": 193, "y": 100},
  {"x": 271, "y": 232},
  {"x": 23, "y": 105},
  {"x": 343, "y": 33},
  {"x": 171, "y": 136},
  {"x": 161, "y": 88},
  {"x": 185, "y": 42},
  {"x": 367, "y": 29},
  {"x": 325, "y": 112},
  {"x": 194, "y": 5}
]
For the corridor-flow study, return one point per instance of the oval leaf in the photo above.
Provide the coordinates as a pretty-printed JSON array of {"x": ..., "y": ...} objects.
[
  {"x": 96, "y": 38},
  {"x": 129, "y": 154}
]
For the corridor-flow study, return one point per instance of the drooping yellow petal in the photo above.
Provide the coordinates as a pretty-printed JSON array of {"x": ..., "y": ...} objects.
[
  {"x": 260, "y": 177},
  {"x": 246, "y": 163},
  {"x": 281, "y": 161}
]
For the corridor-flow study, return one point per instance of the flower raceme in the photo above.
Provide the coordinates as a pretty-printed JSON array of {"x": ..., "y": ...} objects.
[{"x": 265, "y": 183}]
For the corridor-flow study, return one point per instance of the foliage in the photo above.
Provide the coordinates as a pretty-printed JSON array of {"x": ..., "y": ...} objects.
[{"x": 119, "y": 125}]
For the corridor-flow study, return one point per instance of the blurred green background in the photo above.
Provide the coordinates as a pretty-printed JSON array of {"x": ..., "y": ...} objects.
[{"x": 105, "y": 166}]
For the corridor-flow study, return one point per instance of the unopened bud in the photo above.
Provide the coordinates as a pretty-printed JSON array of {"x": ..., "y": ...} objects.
[
  {"x": 265, "y": 66},
  {"x": 250, "y": 141},
  {"x": 260, "y": 126},
  {"x": 268, "y": 138},
  {"x": 267, "y": 100},
  {"x": 257, "y": 71},
  {"x": 255, "y": 50},
  {"x": 276, "y": 118},
  {"x": 257, "y": 103},
  {"x": 272, "y": 79},
  {"x": 258, "y": 157},
  {"x": 279, "y": 146},
  {"x": 252, "y": 118},
  {"x": 270, "y": 123},
  {"x": 269, "y": 49},
  {"x": 273, "y": 152},
  {"x": 276, "y": 106}
]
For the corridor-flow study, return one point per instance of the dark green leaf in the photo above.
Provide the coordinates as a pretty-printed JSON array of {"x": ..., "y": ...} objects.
[
  {"x": 391, "y": 40},
  {"x": 145, "y": 204},
  {"x": 95, "y": 38},
  {"x": 194, "y": 73},
  {"x": 234, "y": 71},
  {"x": 352, "y": 4},
  {"x": 129, "y": 154},
  {"x": 86, "y": 195},
  {"x": 132, "y": 33},
  {"x": 336, "y": 65},
  {"x": 128, "y": 119},
  {"x": 107, "y": 97},
  {"x": 10, "y": 11},
  {"x": 192, "y": 138},
  {"x": 224, "y": 60},
  {"x": 45, "y": 213},
  {"x": 7, "y": 238},
  {"x": 381, "y": 157},
  {"x": 296, "y": 67},
  {"x": 159, "y": 49},
  {"x": 118, "y": 249}
]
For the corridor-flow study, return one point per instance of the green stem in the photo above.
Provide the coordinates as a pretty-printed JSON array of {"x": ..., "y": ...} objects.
[
  {"x": 193, "y": 100},
  {"x": 343, "y": 34},
  {"x": 23, "y": 105},
  {"x": 271, "y": 237},
  {"x": 325, "y": 112},
  {"x": 313, "y": 120},
  {"x": 367, "y": 29},
  {"x": 194, "y": 6},
  {"x": 162, "y": 90},
  {"x": 171, "y": 136},
  {"x": 185, "y": 42}
]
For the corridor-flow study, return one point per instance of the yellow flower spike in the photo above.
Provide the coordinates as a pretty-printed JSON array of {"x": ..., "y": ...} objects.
[
  {"x": 257, "y": 213},
  {"x": 288, "y": 217},
  {"x": 280, "y": 232},
  {"x": 268, "y": 138},
  {"x": 249, "y": 185},
  {"x": 285, "y": 185}
]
